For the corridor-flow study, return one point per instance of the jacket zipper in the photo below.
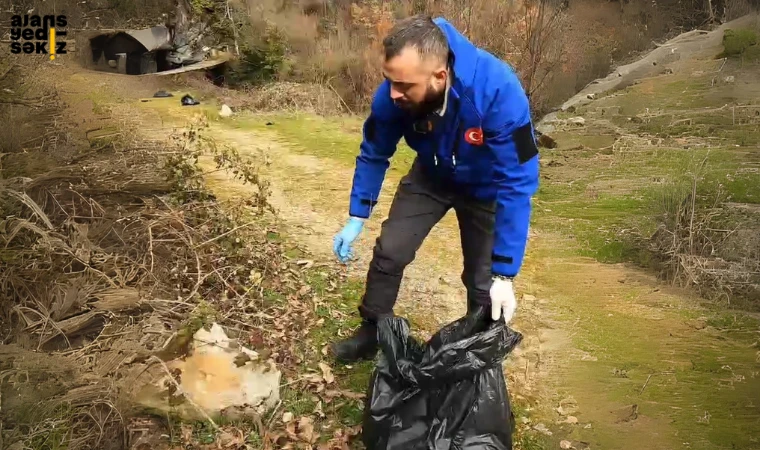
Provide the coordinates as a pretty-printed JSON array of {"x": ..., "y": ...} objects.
[{"x": 457, "y": 143}]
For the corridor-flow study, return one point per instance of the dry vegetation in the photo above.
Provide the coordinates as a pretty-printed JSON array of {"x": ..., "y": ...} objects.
[
  {"x": 109, "y": 266},
  {"x": 557, "y": 46},
  {"x": 704, "y": 242}
]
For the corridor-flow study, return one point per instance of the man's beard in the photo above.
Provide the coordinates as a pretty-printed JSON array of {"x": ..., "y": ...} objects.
[{"x": 432, "y": 101}]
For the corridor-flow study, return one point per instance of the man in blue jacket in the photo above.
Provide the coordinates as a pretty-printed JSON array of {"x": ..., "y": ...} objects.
[{"x": 467, "y": 117}]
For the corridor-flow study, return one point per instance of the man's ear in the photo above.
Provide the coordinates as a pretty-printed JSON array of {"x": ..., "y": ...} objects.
[{"x": 440, "y": 76}]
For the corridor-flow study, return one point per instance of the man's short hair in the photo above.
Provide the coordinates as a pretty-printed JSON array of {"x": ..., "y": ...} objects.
[{"x": 419, "y": 32}]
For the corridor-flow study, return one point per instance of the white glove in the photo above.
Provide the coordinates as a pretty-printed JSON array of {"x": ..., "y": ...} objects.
[{"x": 502, "y": 299}]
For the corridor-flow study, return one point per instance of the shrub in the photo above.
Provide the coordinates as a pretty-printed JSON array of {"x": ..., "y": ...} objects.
[
  {"x": 262, "y": 58},
  {"x": 737, "y": 42}
]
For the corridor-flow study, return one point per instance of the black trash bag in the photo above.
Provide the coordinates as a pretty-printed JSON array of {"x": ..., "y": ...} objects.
[
  {"x": 188, "y": 100},
  {"x": 449, "y": 394}
]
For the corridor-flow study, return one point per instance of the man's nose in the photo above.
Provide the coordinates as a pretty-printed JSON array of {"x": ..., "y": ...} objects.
[{"x": 396, "y": 94}]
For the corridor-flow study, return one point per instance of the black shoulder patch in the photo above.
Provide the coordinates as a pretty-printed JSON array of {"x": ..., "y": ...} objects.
[
  {"x": 525, "y": 143},
  {"x": 369, "y": 128}
]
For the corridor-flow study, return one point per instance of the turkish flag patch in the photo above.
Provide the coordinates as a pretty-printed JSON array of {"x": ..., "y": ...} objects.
[{"x": 474, "y": 136}]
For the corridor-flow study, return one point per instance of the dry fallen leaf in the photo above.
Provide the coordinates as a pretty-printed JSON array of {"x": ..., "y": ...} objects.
[
  {"x": 291, "y": 430},
  {"x": 541, "y": 428},
  {"x": 187, "y": 433},
  {"x": 287, "y": 417},
  {"x": 305, "y": 263},
  {"x": 306, "y": 430},
  {"x": 340, "y": 440},
  {"x": 318, "y": 410},
  {"x": 327, "y": 373},
  {"x": 353, "y": 395},
  {"x": 314, "y": 378},
  {"x": 230, "y": 439}
]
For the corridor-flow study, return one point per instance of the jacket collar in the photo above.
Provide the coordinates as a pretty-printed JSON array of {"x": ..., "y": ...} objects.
[{"x": 463, "y": 54}]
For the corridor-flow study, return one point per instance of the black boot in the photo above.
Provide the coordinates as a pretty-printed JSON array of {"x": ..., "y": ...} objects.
[{"x": 362, "y": 345}]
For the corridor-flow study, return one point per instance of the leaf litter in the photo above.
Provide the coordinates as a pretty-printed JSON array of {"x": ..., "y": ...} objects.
[{"x": 117, "y": 271}]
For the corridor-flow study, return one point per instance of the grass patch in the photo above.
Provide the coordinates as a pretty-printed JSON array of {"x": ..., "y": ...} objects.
[
  {"x": 336, "y": 139},
  {"x": 600, "y": 205},
  {"x": 736, "y": 43},
  {"x": 635, "y": 341},
  {"x": 339, "y": 318}
]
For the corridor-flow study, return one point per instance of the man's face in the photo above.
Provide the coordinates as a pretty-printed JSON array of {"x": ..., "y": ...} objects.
[{"x": 417, "y": 85}]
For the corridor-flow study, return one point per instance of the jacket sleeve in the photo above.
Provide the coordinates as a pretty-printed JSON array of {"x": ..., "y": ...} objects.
[
  {"x": 510, "y": 136},
  {"x": 381, "y": 134}
]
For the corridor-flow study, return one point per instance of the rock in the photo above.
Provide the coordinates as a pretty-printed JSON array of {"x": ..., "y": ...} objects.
[
  {"x": 579, "y": 121},
  {"x": 572, "y": 420},
  {"x": 212, "y": 379},
  {"x": 730, "y": 79},
  {"x": 697, "y": 324},
  {"x": 225, "y": 111},
  {"x": 626, "y": 413},
  {"x": 566, "y": 410},
  {"x": 546, "y": 142},
  {"x": 541, "y": 428},
  {"x": 188, "y": 100},
  {"x": 591, "y": 96},
  {"x": 565, "y": 445}
]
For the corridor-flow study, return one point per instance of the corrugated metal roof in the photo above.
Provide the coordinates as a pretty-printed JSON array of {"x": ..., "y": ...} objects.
[
  {"x": 156, "y": 38},
  {"x": 208, "y": 63}
]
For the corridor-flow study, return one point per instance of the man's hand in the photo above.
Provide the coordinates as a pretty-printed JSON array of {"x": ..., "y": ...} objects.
[
  {"x": 502, "y": 299},
  {"x": 343, "y": 240}
]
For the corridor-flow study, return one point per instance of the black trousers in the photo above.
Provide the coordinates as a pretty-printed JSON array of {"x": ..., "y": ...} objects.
[{"x": 418, "y": 205}]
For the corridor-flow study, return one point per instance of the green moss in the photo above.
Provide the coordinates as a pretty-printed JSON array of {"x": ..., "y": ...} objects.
[
  {"x": 331, "y": 138},
  {"x": 737, "y": 42},
  {"x": 669, "y": 367}
]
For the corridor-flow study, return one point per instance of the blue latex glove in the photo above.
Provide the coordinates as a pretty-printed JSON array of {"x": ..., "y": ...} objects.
[{"x": 343, "y": 240}]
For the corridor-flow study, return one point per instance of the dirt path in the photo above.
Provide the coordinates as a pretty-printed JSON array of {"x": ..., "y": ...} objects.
[{"x": 629, "y": 362}]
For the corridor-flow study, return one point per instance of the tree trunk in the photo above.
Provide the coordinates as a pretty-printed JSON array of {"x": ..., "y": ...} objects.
[{"x": 710, "y": 11}]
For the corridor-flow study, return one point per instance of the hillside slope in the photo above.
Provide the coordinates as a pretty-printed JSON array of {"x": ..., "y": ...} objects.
[{"x": 663, "y": 170}]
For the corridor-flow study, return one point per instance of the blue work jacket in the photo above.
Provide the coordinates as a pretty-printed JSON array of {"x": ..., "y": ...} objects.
[{"x": 482, "y": 146}]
